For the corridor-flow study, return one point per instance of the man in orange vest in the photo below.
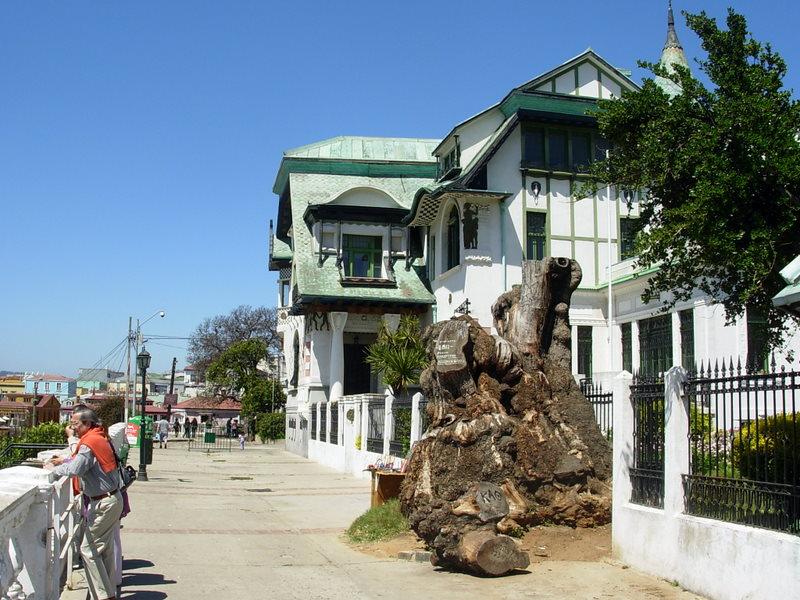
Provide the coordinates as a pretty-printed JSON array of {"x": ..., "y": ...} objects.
[{"x": 94, "y": 463}]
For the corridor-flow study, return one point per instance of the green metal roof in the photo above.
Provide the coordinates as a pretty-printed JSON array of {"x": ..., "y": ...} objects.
[
  {"x": 368, "y": 148},
  {"x": 789, "y": 297},
  {"x": 280, "y": 249},
  {"x": 323, "y": 282}
]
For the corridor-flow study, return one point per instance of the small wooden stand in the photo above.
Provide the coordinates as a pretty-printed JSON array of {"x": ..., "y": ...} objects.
[{"x": 385, "y": 486}]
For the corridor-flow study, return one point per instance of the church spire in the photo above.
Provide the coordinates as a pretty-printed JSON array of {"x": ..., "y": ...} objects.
[{"x": 671, "y": 55}]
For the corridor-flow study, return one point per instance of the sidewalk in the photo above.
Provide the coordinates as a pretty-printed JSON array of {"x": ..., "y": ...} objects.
[{"x": 265, "y": 523}]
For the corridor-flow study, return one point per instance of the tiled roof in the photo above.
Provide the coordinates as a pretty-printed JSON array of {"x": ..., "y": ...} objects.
[
  {"x": 210, "y": 403},
  {"x": 11, "y": 400},
  {"x": 46, "y": 377}
]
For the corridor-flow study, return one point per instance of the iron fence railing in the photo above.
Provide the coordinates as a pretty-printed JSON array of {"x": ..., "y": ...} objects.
[
  {"x": 400, "y": 443},
  {"x": 602, "y": 405},
  {"x": 424, "y": 419},
  {"x": 14, "y": 453},
  {"x": 744, "y": 444},
  {"x": 323, "y": 421},
  {"x": 647, "y": 472},
  {"x": 376, "y": 412},
  {"x": 213, "y": 439},
  {"x": 334, "y": 435}
]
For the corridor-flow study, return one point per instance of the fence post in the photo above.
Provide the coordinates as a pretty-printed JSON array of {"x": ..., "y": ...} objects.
[
  {"x": 415, "y": 417},
  {"x": 364, "y": 421},
  {"x": 388, "y": 421},
  {"x": 327, "y": 437},
  {"x": 676, "y": 441},
  {"x": 622, "y": 442}
]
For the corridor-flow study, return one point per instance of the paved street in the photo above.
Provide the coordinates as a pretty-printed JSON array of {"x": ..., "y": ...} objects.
[{"x": 264, "y": 523}]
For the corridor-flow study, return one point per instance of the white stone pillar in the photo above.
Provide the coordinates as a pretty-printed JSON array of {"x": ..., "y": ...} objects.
[
  {"x": 388, "y": 421},
  {"x": 327, "y": 432},
  {"x": 392, "y": 321},
  {"x": 337, "y": 321},
  {"x": 677, "y": 347},
  {"x": 622, "y": 448},
  {"x": 364, "y": 421},
  {"x": 416, "y": 420},
  {"x": 636, "y": 356},
  {"x": 676, "y": 440}
]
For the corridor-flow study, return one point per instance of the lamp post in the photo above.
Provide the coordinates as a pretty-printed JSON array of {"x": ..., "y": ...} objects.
[{"x": 143, "y": 362}]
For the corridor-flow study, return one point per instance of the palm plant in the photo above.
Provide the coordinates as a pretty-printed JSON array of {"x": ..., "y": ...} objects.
[{"x": 399, "y": 357}]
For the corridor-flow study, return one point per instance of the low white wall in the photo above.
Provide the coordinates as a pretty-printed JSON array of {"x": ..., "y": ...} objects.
[
  {"x": 31, "y": 532},
  {"x": 723, "y": 561}
]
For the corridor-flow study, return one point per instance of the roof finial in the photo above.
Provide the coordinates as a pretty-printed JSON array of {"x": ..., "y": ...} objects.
[{"x": 672, "y": 36}]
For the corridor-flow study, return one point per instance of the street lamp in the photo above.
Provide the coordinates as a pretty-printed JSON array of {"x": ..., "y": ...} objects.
[{"x": 143, "y": 362}]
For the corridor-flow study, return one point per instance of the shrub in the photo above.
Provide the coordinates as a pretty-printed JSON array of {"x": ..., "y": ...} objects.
[
  {"x": 46, "y": 433},
  {"x": 378, "y": 523},
  {"x": 765, "y": 450},
  {"x": 402, "y": 427},
  {"x": 271, "y": 426}
]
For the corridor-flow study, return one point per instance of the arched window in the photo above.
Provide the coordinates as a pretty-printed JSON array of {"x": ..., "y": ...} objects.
[
  {"x": 453, "y": 239},
  {"x": 296, "y": 355}
]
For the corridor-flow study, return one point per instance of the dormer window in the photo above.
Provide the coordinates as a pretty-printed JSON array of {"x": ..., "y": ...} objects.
[
  {"x": 361, "y": 255},
  {"x": 450, "y": 163}
]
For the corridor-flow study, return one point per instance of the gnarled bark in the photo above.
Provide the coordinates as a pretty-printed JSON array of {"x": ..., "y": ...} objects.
[{"x": 512, "y": 441}]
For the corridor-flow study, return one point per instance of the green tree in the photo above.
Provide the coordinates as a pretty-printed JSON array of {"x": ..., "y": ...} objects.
[
  {"x": 721, "y": 168},
  {"x": 399, "y": 357},
  {"x": 111, "y": 409},
  {"x": 235, "y": 371}
]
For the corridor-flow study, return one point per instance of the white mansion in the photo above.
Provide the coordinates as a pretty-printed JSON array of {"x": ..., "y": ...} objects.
[{"x": 372, "y": 228}]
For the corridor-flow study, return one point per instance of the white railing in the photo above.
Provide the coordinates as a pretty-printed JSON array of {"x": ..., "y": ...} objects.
[{"x": 38, "y": 520}]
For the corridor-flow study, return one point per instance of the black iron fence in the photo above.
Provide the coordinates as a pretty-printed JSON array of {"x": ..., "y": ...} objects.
[
  {"x": 334, "y": 436},
  {"x": 744, "y": 444},
  {"x": 376, "y": 411},
  {"x": 314, "y": 428},
  {"x": 647, "y": 473},
  {"x": 424, "y": 419},
  {"x": 602, "y": 404},
  {"x": 13, "y": 452},
  {"x": 323, "y": 421},
  {"x": 400, "y": 443},
  {"x": 213, "y": 439}
]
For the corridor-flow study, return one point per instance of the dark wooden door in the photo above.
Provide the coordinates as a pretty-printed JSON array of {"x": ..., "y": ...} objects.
[{"x": 357, "y": 376}]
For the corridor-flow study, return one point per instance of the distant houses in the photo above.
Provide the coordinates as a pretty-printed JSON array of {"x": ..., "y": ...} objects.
[{"x": 63, "y": 388}]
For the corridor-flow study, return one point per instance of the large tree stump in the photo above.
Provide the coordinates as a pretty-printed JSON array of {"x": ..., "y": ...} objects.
[{"x": 512, "y": 441}]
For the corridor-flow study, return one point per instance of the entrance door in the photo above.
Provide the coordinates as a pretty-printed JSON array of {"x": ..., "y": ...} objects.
[{"x": 357, "y": 376}]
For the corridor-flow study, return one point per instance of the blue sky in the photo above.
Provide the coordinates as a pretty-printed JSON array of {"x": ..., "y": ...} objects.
[{"x": 139, "y": 141}]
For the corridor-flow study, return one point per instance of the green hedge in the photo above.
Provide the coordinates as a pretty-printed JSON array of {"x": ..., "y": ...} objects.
[
  {"x": 766, "y": 450},
  {"x": 46, "y": 433},
  {"x": 271, "y": 426}
]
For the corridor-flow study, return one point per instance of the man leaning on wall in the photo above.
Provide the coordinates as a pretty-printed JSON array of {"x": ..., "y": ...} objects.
[{"x": 94, "y": 463}]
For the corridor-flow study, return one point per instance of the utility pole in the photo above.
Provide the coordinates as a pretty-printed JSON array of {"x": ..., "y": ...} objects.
[
  {"x": 128, "y": 375},
  {"x": 35, "y": 400}
]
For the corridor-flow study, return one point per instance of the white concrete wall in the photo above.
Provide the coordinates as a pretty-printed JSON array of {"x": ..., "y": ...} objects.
[{"x": 473, "y": 135}]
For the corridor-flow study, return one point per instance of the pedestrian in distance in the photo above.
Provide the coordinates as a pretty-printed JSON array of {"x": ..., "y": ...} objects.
[
  {"x": 241, "y": 440},
  {"x": 163, "y": 432},
  {"x": 176, "y": 427},
  {"x": 94, "y": 463},
  {"x": 186, "y": 429},
  {"x": 194, "y": 426}
]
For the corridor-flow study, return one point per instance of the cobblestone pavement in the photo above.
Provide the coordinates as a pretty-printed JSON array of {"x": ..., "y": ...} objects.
[{"x": 265, "y": 523}]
